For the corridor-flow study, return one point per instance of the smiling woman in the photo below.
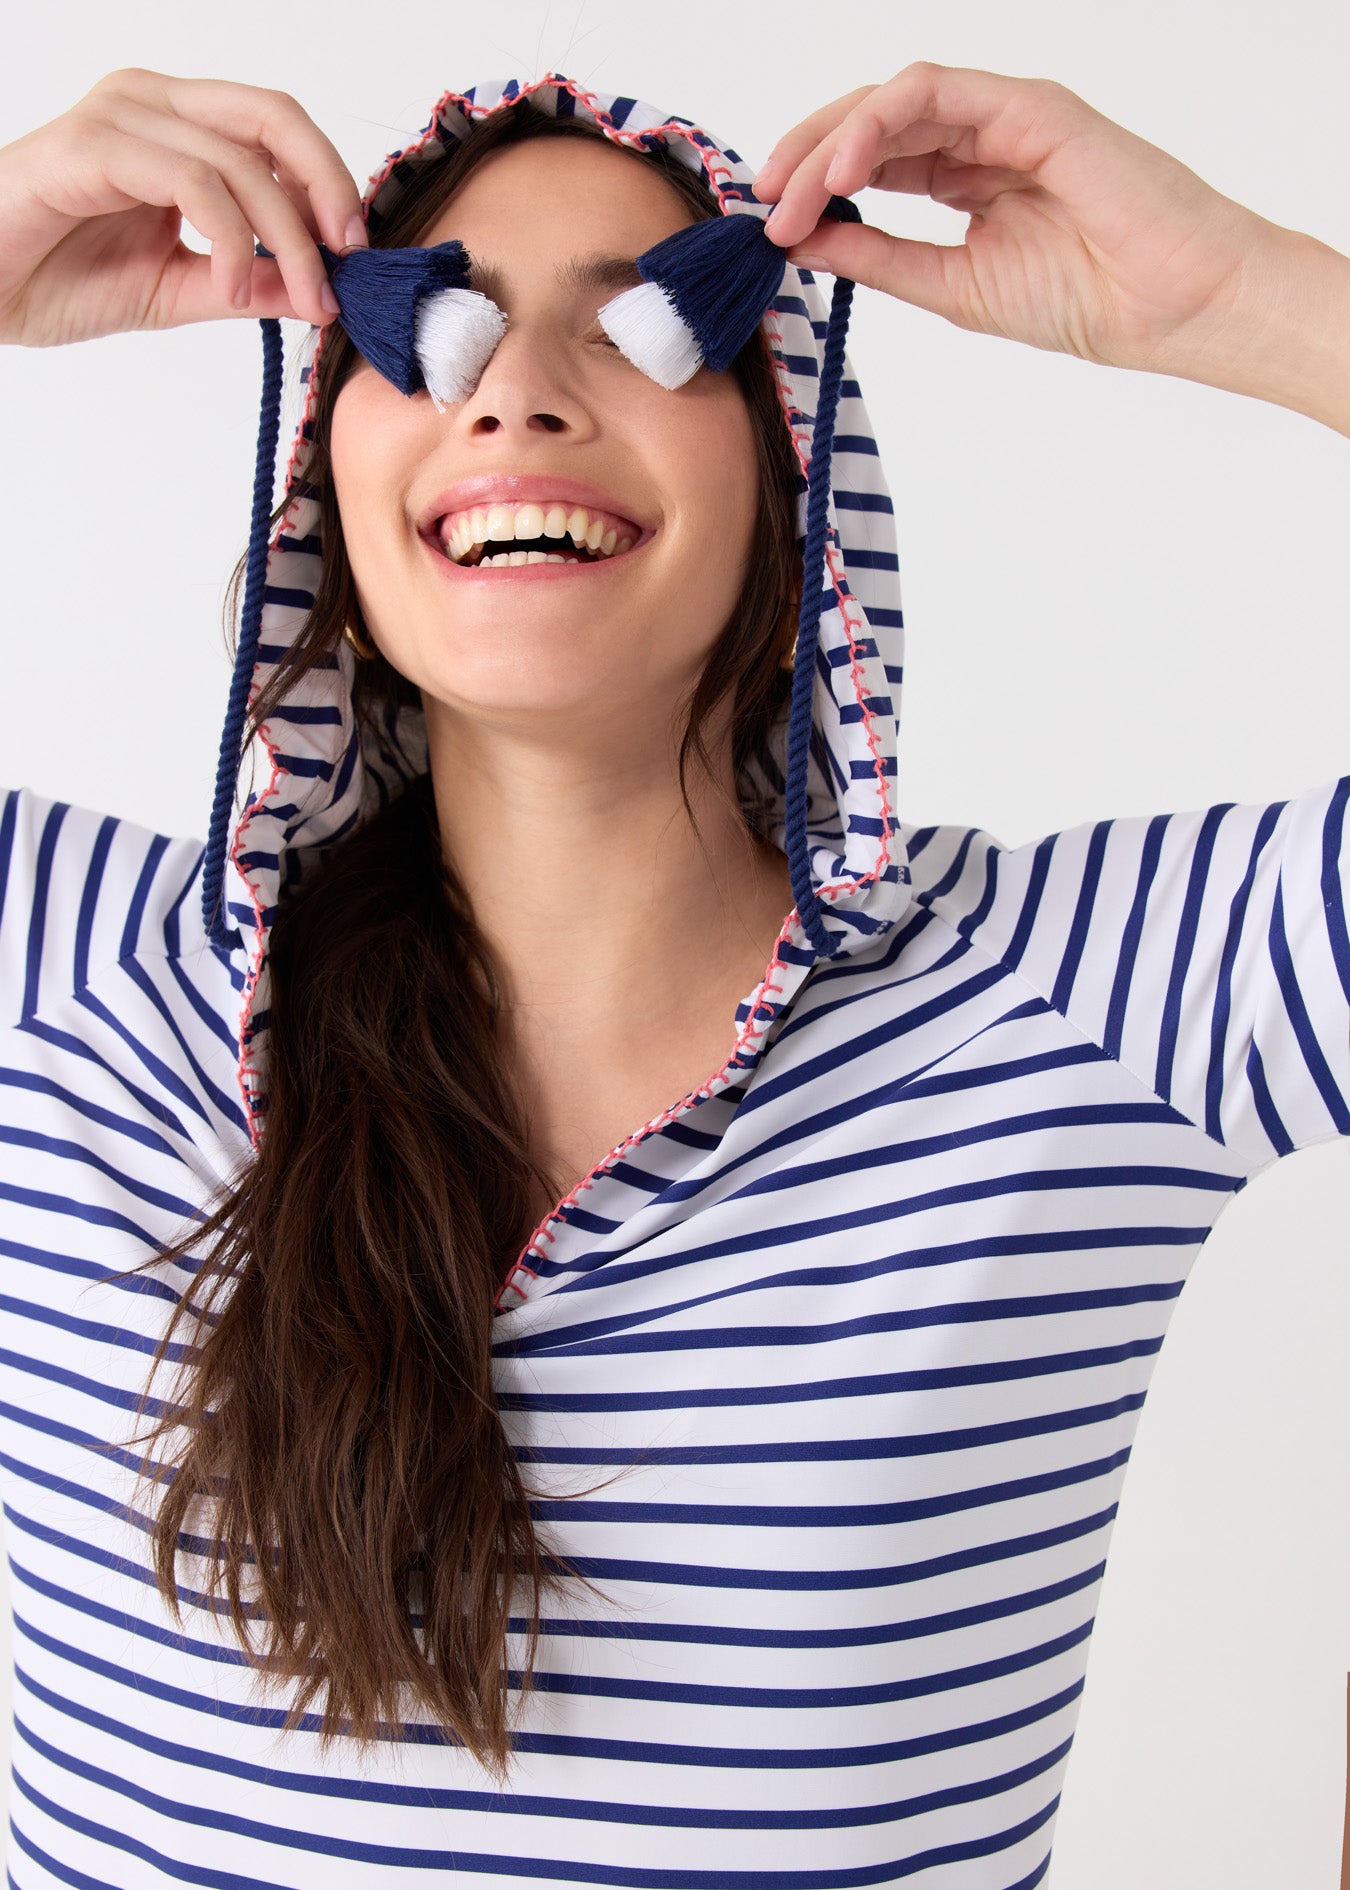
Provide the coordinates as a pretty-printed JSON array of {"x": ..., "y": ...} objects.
[
  {"x": 810, "y": 1401},
  {"x": 432, "y": 1095}
]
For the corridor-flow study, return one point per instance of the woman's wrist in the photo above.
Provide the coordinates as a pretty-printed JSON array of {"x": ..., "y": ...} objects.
[{"x": 1286, "y": 337}]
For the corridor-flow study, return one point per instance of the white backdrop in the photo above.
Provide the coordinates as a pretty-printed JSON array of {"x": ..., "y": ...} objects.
[{"x": 1123, "y": 595}]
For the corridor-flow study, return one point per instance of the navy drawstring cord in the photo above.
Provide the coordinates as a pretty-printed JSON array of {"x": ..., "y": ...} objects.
[
  {"x": 808, "y": 633},
  {"x": 218, "y": 928}
]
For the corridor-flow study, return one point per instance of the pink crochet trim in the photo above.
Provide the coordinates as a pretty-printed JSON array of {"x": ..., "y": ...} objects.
[{"x": 751, "y": 1030}]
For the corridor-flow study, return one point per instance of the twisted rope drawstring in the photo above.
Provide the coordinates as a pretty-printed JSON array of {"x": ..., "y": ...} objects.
[
  {"x": 218, "y": 928},
  {"x": 808, "y": 632}
]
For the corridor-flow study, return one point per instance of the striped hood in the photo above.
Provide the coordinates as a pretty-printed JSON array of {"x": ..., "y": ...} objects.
[{"x": 309, "y": 779}]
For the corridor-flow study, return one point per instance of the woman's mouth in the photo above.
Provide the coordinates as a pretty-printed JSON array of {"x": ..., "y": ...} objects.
[{"x": 502, "y": 544}]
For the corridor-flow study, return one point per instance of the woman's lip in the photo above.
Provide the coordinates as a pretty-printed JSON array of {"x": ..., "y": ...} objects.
[{"x": 494, "y": 573}]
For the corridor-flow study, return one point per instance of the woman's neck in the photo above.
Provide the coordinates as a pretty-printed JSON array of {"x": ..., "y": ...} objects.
[{"x": 594, "y": 893}]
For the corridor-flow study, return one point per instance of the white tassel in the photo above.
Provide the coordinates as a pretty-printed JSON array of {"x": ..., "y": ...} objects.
[
  {"x": 455, "y": 334},
  {"x": 646, "y": 325}
]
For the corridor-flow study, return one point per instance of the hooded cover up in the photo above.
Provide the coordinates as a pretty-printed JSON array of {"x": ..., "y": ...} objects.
[{"x": 865, "y": 1322}]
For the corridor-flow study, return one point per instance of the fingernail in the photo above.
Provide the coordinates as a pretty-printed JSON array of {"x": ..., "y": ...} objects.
[
  {"x": 327, "y": 297},
  {"x": 243, "y": 294},
  {"x": 809, "y": 262},
  {"x": 836, "y": 170},
  {"x": 356, "y": 234}
]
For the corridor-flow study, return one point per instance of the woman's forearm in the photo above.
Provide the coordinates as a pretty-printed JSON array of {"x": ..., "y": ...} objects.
[{"x": 1288, "y": 337}]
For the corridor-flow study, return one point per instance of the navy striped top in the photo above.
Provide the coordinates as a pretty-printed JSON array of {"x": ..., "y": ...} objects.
[{"x": 859, "y": 1331}]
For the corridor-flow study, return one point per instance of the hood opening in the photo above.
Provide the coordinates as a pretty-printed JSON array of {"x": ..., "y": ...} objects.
[{"x": 322, "y": 776}]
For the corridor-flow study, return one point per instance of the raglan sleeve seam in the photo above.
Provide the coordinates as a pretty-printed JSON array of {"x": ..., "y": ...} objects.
[
  {"x": 78, "y": 897},
  {"x": 1205, "y": 952},
  {"x": 1233, "y": 1154}
]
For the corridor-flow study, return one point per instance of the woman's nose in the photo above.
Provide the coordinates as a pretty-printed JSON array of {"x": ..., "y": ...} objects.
[
  {"x": 539, "y": 422},
  {"x": 525, "y": 387}
]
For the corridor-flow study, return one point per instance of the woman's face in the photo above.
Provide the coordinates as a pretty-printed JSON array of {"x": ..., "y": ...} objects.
[{"x": 585, "y": 642}]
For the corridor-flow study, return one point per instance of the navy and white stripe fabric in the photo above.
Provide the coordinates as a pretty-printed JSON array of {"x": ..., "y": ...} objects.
[{"x": 855, "y": 1336}]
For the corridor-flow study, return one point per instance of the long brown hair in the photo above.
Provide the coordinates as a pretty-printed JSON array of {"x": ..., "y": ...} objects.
[{"x": 334, "y": 1407}]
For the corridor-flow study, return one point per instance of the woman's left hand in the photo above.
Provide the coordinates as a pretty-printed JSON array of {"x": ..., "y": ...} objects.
[{"x": 1083, "y": 238}]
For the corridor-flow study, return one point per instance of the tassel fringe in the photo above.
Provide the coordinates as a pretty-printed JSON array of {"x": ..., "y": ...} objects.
[
  {"x": 457, "y": 331},
  {"x": 646, "y": 325}
]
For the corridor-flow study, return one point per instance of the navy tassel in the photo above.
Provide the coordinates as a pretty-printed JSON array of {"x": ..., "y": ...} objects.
[
  {"x": 705, "y": 290},
  {"x": 414, "y": 317},
  {"x": 378, "y": 292}
]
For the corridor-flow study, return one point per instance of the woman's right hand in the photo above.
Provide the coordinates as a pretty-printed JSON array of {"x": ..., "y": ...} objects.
[{"x": 91, "y": 206}]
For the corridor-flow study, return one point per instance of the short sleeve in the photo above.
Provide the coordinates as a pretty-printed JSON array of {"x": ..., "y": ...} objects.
[{"x": 1207, "y": 952}]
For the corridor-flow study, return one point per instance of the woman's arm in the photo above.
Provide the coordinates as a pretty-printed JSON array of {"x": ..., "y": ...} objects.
[
  {"x": 1291, "y": 343},
  {"x": 1083, "y": 238}
]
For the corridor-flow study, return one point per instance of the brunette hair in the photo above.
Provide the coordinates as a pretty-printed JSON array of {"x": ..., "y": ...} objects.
[{"x": 335, "y": 1407}]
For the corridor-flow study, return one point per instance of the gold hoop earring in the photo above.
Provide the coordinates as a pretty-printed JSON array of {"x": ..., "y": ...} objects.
[
  {"x": 789, "y": 659},
  {"x": 363, "y": 650}
]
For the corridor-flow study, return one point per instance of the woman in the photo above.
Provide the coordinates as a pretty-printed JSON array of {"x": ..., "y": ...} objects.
[{"x": 544, "y": 1170}]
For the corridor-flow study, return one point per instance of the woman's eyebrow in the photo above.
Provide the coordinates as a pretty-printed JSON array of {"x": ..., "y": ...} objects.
[{"x": 579, "y": 273}]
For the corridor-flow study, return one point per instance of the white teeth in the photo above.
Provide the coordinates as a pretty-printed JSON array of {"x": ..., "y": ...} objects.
[
  {"x": 466, "y": 531},
  {"x": 527, "y": 557}
]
